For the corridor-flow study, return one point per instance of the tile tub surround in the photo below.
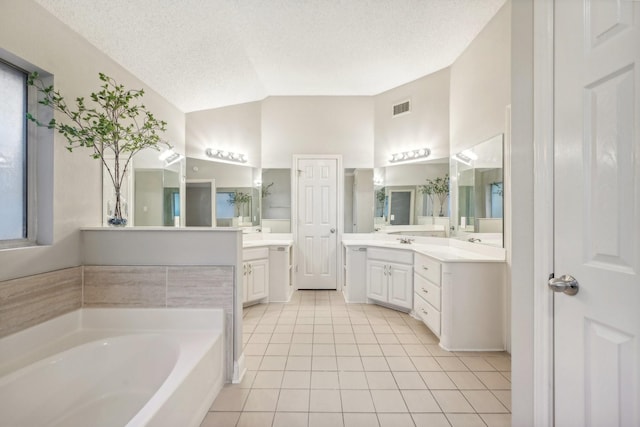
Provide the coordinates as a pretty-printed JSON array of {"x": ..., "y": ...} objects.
[
  {"x": 317, "y": 361},
  {"x": 31, "y": 300},
  {"x": 164, "y": 286}
]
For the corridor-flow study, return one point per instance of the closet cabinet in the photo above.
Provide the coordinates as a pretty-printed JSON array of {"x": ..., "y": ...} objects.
[{"x": 390, "y": 277}]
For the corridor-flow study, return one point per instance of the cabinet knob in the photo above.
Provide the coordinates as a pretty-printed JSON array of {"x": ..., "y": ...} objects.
[
  {"x": 424, "y": 311},
  {"x": 424, "y": 267},
  {"x": 425, "y": 291}
]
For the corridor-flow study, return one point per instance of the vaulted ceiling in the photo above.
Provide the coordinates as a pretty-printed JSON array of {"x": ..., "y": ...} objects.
[{"x": 202, "y": 54}]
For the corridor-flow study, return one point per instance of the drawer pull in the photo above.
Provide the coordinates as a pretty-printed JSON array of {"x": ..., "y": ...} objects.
[
  {"x": 425, "y": 291},
  {"x": 425, "y": 267},
  {"x": 424, "y": 311}
]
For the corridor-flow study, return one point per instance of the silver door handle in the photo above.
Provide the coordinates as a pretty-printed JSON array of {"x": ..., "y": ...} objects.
[
  {"x": 332, "y": 230},
  {"x": 564, "y": 283}
]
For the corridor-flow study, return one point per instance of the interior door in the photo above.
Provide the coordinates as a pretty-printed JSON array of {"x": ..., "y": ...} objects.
[
  {"x": 317, "y": 240},
  {"x": 597, "y": 212}
]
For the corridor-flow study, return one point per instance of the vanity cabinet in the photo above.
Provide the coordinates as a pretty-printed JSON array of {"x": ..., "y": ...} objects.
[
  {"x": 389, "y": 277},
  {"x": 255, "y": 274},
  {"x": 463, "y": 303}
]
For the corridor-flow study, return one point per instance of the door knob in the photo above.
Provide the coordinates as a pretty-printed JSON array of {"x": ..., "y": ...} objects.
[
  {"x": 564, "y": 283},
  {"x": 333, "y": 230}
]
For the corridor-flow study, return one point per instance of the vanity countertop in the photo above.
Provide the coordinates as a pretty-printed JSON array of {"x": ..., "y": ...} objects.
[
  {"x": 266, "y": 242},
  {"x": 449, "y": 252}
]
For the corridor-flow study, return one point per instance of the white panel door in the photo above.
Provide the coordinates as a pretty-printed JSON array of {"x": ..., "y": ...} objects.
[
  {"x": 317, "y": 224},
  {"x": 597, "y": 212},
  {"x": 258, "y": 279}
]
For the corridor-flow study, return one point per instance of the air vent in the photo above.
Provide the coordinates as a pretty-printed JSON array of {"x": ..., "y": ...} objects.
[{"x": 402, "y": 108}]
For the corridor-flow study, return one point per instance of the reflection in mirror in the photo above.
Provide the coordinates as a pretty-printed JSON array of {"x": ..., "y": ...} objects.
[
  {"x": 406, "y": 201},
  {"x": 479, "y": 178},
  {"x": 276, "y": 200},
  {"x": 199, "y": 205},
  {"x": 358, "y": 200},
  {"x": 157, "y": 196},
  {"x": 235, "y": 201},
  {"x": 237, "y": 207}
]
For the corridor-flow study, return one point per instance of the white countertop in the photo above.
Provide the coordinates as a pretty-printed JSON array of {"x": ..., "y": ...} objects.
[
  {"x": 266, "y": 242},
  {"x": 449, "y": 250}
]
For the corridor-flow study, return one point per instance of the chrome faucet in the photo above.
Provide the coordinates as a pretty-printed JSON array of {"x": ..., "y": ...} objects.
[
  {"x": 406, "y": 240},
  {"x": 472, "y": 240}
]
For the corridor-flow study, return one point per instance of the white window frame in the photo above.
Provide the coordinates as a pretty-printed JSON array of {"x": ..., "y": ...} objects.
[{"x": 39, "y": 164}]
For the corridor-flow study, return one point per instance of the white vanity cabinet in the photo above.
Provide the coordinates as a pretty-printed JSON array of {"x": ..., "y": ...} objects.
[
  {"x": 463, "y": 303},
  {"x": 255, "y": 274},
  {"x": 389, "y": 276}
]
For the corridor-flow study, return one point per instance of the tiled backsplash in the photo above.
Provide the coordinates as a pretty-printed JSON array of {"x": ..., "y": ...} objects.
[
  {"x": 27, "y": 301},
  {"x": 31, "y": 300}
]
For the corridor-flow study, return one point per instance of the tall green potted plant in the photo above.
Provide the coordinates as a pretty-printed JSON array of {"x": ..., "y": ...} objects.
[
  {"x": 437, "y": 188},
  {"x": 114, "y": 126}
]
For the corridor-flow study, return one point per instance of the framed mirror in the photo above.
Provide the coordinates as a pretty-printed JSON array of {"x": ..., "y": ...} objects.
[
  {"x": 406, "y": 201},
  {"x": 479, "y": 200},
  {"x": 275, "y": 197},
  {"x": 234, "y": 201},
  {"x": 157, "y": 193}
]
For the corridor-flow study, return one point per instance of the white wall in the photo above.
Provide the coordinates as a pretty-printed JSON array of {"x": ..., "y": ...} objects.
[
  {"x": 522, "y": 211},
  {"x": 481, "y": 84},
  {"x": 225, "y": 174},
  {"x": 31, "y": 33},
  {"x": 426, "y": 126},
  {"x": 414, "y": 174},
  {"x": 317, "y": 125},
  {"x": 236, "y": 128}
]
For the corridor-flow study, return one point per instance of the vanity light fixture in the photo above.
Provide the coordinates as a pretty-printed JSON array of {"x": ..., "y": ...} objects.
[
  {"x": 227, "y": 156},
  {"x": 410, "y": 156},
  {"x": 170, "y": 157},
  {"x": 466, "y": 157}
]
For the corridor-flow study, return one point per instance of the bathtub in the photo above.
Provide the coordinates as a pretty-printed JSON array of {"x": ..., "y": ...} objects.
[{"x": 113, "y": 367}]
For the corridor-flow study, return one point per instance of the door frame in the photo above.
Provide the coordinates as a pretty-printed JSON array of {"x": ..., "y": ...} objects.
[
  {"x": 339, "y": 210},
  {"x": 543, "y": 216}
]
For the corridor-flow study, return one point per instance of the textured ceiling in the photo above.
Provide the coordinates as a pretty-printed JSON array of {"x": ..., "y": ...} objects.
[{"x": 202, "y": 54}]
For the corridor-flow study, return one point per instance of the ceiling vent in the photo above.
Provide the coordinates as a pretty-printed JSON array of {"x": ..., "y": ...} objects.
[{"x": 402, "y": 108}]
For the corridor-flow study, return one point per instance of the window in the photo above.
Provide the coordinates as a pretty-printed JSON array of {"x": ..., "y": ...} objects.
[
  {"x": 224, "y": 209},
  {"x": 13, "y": 153}
]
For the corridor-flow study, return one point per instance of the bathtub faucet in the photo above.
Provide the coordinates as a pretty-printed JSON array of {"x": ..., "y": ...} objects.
[{"x": 472, "y": 240}]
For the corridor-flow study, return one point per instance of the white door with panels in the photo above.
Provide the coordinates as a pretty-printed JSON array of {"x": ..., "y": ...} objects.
[
  {"x": 317, "y": 223},
  {"x": 597, "y": 213}
]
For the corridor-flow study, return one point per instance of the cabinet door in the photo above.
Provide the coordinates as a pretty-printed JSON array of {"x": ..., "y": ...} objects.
[
  {"x": 400, "y": 284},
  {"x": 258, "y": 279},
  {"x": 376, "y": 280}
]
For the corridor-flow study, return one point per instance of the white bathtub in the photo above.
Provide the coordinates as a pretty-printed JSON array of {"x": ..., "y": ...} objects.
[{"x": 113, "y": 367}]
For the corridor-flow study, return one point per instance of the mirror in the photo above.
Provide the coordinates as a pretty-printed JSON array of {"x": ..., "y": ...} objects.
[
  {"x": 275, "y": 196},
  {"x": 479, "y": 190},
  {"x": 157, "y": 195},
  {"x": 230, "y": 198},
  {"x": 358, "y": 200},
  {"x": 405, "y": 200}
]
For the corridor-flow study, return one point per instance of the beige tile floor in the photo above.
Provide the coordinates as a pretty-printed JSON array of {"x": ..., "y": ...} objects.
[{"x": 317, "y": 361}]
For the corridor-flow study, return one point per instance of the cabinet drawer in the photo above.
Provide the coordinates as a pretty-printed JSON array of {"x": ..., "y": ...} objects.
[
  {"x": 390, "y": 255},
  {"x": 427, "y": 290},
  {"x": 255, "y": 253},
  {"x": 428, "y": 268},
  {"x": 429, "y": 315}
]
